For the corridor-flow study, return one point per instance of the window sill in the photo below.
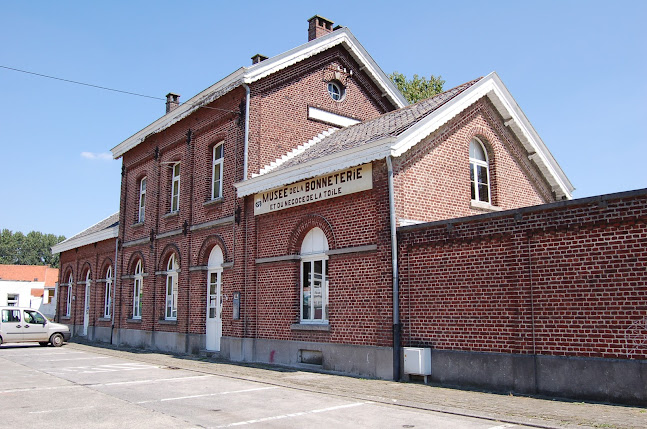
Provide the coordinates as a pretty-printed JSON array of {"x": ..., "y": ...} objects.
[
  {"x": 104, "y": 319},
  {"x": 65, "y": 317},
  {"x": 168, "y": 322},
  {"x": 483, "y": 206},
  {"x": 171, "y": 214},
  {"x": 138, "y": 225},
  {"x": 310, "y": 327},
  {"x": 214, "y": 202},
  {"x": 133, "y": 320}
]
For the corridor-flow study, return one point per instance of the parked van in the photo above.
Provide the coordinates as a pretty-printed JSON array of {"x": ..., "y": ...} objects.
[{"x": 20, "y": 325}]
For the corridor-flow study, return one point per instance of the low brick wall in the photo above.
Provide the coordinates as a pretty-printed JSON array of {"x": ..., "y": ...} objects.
[{"x": 566, "y": 279}]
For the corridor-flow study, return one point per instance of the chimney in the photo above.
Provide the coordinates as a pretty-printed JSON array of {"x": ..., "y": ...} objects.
[
  {"x": 172, "y": 101},
  {"x": 319, "y": 26},
  {"x": 258, "y": 58}
]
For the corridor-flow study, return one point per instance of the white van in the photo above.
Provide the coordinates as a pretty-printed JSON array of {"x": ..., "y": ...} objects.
[{"x": 20, "y": 325}]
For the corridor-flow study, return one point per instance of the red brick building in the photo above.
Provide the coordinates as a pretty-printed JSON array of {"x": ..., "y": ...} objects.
[{"x": 258, "y": 219}]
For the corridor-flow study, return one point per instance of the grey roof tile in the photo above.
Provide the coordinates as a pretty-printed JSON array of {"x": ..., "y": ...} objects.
[{"x": 390, "y": 124}]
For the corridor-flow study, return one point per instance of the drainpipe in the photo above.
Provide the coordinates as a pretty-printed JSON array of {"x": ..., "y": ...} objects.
[
  {"x": 396, "y": 285},
  {"x": 246, "y": 148},
  {"x": 114, "y": 288}
]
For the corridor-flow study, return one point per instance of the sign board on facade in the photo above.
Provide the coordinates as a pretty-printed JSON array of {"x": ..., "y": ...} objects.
[{"x": 345, "y": 182}]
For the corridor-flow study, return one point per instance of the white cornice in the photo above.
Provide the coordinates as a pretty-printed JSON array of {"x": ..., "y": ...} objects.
[
  {"x": 368, "y": 152},
  {"x": 104, "y": 234},
  {"x": 263, "y": 69}
]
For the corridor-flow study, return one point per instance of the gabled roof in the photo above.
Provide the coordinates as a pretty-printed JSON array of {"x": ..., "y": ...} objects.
[
  {"x": 247, "y": 75},
  {"x": 30, "y": 273},
  {"x": 394, "y": 133},
  {"x": 103, "y": 230}
]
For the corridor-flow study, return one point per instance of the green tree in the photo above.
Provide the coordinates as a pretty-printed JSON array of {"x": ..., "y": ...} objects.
[
  {"x": 31, "y": 249},
  {"x": 418, "y": 88}
]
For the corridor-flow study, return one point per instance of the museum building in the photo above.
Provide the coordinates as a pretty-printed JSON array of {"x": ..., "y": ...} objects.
[{"x": 259, "y": 220}]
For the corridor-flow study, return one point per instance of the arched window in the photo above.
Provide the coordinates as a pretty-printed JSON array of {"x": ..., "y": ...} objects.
[
  {"x": 175, "y": 188},
  {"x": 68, "y": 305},
  {"x": 314, "y": 277},
  {"x": 138, "y": 291},
  {"x": 142, "y": 200},
  {"x": 216, "y": 171},
  {"x": 479, "y": 172},
  {"x": 107, "y": 300},
  {"x": 172, "y": 269}
]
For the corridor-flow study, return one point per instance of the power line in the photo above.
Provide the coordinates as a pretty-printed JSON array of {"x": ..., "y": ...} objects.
[{"x": 105, "y": 88}]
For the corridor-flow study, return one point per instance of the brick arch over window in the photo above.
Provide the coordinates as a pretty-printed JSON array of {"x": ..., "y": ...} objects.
[
  {"x": 208, "y": 244},
  {"x": 169, "y": 250},
  {"x": 132, "y": 262},
  {"x": 304, "y": 226},
  {"x": 107, "y": 262},
  {"x": 85, "y": 269},
  {"x": 485, "y": 137},
  {"x": 68, "y": 272}
]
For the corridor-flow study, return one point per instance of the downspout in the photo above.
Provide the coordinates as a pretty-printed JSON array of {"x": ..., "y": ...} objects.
[
  {"x": 114, "y": 288},
  {"x": 246, "y": 147},
  {"x": 396, "y": 285}
]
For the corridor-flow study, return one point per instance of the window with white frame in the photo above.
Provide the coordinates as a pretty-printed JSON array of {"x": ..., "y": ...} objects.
[
  {"x": 216, "y": 171},
  {"x": 175, "y": 188},
  {"x": 107, "y": 299},
  {"x": 172, "y": 269},
  {"x": 68, "y": 306},
  {"x": 314, "y": 277},
  {"x": 142, "y": 200},
  {"x": 138, "y": 291},
  {"x": 13, "y": 299},
  {"x": 479, "y": 172}
]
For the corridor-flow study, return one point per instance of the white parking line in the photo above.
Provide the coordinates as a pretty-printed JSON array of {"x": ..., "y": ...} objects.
[
  {"x": 152, "y": 380},
  {"x": 33, "y": 389},
  {"x": 37, "y": 355},
  {"x": 81, "y": 358},
  {"x": 207, "y": 394},
  {"x": 62, "y": 409},
  {"x": 286, "y": 416},
  {"x": 504, "y": 426}
]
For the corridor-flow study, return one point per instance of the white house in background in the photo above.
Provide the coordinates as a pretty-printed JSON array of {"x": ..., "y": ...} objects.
[{"x": 31, "y": 286}]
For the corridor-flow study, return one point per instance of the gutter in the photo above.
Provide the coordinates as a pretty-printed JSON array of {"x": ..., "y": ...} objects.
[
  {"x": 246, "y": 147},
  {"x": 396, "y": 283}
]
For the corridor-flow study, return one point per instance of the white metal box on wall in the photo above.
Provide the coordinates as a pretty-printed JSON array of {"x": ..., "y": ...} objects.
[{"x": 417, "y": 361}]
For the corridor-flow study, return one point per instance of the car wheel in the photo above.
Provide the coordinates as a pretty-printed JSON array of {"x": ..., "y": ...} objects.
[
  {"x": 56, "y": 340},
  {"x": 43, "y": 343},
  {"x": 0, "y": 341}
]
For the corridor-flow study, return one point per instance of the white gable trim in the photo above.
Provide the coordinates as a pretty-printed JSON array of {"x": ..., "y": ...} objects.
[
  {"x": 263, "y": 69},
  {"x": 104, "y": 234},
  {"x": 330, "y": 118},
  {"x": 490, "y": 86}
]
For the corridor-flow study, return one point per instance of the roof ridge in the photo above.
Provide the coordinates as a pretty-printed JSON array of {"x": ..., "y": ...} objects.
[{"x": 296, "y": 151}]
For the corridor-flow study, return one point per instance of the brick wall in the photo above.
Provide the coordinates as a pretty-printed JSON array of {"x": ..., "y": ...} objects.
[
  {"x": 95, "y": 258},
  {"x": 432, "y": 180},
  {"x": 563, "y": 279}
]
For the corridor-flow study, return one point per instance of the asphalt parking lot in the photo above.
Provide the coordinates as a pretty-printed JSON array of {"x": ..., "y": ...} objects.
[{"x": 78, "y": 387}]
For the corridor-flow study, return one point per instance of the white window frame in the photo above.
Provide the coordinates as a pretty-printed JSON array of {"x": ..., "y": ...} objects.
[
  {"x": 13, "y": 300},
  {"x": 336, "y": 90},
  {"x": 171, "y": 291},
  {"x": 138, "y": 291},
  {"x": 312, "y": 253},
  {"x": 216, "y": 182},
  {"x": 142, "y": 200},
  {"x": 107, "y": 300},
  {"x": 474, "y": 164},
  {"x": 175, "y": 187},
  {"x": 68, "y": 304}
]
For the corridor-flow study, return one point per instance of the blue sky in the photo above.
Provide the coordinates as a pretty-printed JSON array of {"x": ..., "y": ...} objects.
[{"x": 577, "y": 68}]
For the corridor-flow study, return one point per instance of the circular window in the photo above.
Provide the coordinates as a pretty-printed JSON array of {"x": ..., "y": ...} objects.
[{"x": 336, "y": 90}]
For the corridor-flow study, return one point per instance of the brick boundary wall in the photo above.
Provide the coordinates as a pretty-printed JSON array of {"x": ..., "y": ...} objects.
[{"x": 564, "y": 284}]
